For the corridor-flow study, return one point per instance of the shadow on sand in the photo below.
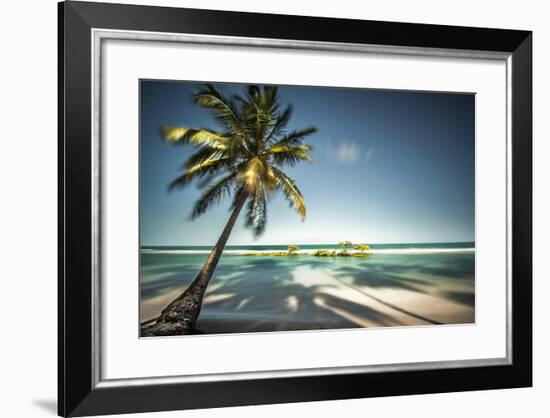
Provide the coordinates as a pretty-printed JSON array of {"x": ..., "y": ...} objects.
[{"x": 269, "y": 294}]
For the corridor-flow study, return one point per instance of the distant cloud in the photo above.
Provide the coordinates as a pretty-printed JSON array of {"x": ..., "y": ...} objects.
[{"x": 348, "y": 152}]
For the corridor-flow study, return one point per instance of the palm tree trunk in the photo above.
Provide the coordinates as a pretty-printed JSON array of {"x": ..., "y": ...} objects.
[{"x": 180, "y": 316}]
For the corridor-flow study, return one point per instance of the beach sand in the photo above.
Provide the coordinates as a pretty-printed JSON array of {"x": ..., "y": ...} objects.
[{"x": 253, "y": 294}]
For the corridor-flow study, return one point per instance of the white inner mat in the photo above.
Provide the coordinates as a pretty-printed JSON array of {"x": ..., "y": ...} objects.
[{"x": 125, "y": 355}]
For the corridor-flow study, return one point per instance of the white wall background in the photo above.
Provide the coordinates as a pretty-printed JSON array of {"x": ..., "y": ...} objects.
[{"x": 28, "y": 135}]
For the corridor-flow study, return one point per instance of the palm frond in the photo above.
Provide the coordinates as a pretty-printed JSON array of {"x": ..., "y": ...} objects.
[
  {"x": 257, "y": 173},
  {"x": 260, "y": 111},
  {"x": 290, "y": 191},
  {"x": 203, "y": 154},
  {"x": 295, "y": 137},
  {"x": 290, "y": 155},
  {"x": 256, "y": 214},
  {"x": 226, "y": 110},
  {"x": 209, "y": 167},
  {"x": 271, "y": 98},
  {"x": 214, "y": 194},
  {"x": 245, "y": 155},
  {"x": 253, "y": 92},
  {"x": 278, "y": 128},
  {"x": 180, "y": 135}
]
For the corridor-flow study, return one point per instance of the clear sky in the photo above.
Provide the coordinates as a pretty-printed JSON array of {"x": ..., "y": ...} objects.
[{"x": 389, "y": 167}]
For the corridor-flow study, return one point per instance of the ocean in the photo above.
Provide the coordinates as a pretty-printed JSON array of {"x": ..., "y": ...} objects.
[{"x": 426, "y": 284}]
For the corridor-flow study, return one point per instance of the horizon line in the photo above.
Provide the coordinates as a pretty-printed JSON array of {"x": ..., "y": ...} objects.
[{"x": 302, "y": 243}]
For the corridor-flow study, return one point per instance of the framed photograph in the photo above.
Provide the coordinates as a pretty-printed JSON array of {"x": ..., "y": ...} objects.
[{"x": 264, "y": 208}]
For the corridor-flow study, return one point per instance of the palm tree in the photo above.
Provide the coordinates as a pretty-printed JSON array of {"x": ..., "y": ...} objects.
[
  {"x": 293, "y": 249},
  {"x": 245, "y": 159},
  {"x": 361, "y": 248},
  {"x": 344, "y": 247}
]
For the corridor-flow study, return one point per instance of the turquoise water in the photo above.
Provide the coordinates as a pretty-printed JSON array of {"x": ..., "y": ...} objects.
[
  {"x": 267, "y": 293},
  {"x": 438, "y": 245}
]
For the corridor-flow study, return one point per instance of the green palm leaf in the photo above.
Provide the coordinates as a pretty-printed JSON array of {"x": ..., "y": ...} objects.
[
  {"x": 290, "y": 155},
  {"x": 209, "y": 167},
  {"x": 215, "y": 193},
  {"x": 203, "y": 154},
  {"x": 225, "y": 109},
  {"x": 295, "y": 137},
  {"x": 291, "y": 192},
  {"x": 245, "y": 155},
  {"x": 178, "y": 135},
  {"x": 278, "y": 128},
  {"x": 256, "y": 215},
  {"x": 257, "y": 173}
]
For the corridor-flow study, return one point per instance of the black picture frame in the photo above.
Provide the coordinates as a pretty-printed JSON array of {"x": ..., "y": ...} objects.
[{"x": 77, "y": 393}]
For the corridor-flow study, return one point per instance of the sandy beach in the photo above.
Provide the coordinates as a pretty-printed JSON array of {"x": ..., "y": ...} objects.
[{"x": 266, "y": 293}]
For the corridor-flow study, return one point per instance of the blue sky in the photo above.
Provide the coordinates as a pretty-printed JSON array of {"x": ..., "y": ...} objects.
[{"x": 389, "y": 167}]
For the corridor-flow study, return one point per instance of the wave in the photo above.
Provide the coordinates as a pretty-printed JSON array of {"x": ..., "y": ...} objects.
[{"x": 311, "y": 252}]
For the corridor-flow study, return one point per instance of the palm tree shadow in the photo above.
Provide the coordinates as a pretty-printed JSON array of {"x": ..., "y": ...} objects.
[
  {"x": 405, "y": 277},
  {"x": 264, "y": 296},
  {"x": 169, "y": 278},
  {"x": 464, "y": 298},
  {"x": 266, "y": 293},
  {"x": 376, "y": 276}
]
